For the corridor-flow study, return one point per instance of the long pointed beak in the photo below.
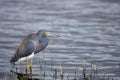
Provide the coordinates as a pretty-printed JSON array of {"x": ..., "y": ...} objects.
[
  {"x": 51, "y": 34},
  {"x": 48, "y": 33}
]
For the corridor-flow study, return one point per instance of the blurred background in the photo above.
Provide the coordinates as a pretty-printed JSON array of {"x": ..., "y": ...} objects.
[{"x": 89, "y": 31}]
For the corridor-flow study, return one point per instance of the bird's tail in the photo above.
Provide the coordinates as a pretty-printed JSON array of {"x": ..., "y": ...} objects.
[
  {"x": 12, "y": 63},
  {"x": 13, "y": 60}
]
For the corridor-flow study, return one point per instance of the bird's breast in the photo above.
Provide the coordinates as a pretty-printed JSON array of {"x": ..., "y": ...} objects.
[
  {"x": 41, "y": 44},
  {"x": 38, "y": 48}
]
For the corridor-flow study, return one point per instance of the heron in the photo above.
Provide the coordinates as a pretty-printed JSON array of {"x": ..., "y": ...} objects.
[{"x": 31, "y": 44}]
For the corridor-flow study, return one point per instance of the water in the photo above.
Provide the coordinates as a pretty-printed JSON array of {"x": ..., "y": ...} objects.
[{"x": 89, "y": 30}]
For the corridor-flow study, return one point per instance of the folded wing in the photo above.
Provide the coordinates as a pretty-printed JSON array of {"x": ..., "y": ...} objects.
[{"x": 25, "y": 49}]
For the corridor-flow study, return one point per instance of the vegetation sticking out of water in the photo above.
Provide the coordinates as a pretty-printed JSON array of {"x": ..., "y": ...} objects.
[{"x": 58, "y": 74}]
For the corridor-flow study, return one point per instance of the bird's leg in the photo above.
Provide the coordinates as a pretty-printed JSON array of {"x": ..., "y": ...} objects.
[
  {"x": 31, "y": 66},
  {"x": 27, "y": 66}
]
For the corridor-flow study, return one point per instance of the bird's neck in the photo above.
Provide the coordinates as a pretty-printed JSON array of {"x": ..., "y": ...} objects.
[
  {"x": 41, "y": 45},
  {"x": 45, "y": 41}
]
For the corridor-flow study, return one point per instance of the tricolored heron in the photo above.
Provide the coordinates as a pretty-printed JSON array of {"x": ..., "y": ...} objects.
[{"x": 32, "y": 44}]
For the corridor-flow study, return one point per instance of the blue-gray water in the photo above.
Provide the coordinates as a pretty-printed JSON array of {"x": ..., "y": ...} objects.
[{"x": 89, "y": 30}]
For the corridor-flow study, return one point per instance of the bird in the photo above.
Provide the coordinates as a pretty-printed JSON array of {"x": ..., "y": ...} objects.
[{"x": 31, "y": 45}]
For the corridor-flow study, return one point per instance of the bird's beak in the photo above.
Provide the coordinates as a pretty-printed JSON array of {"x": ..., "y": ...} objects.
[
  {"x": 51, "y": 34},
  {"x": 48, "y": 34}
]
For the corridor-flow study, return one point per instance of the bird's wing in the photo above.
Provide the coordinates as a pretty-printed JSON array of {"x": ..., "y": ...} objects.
[{"x": 26, "y": 48}]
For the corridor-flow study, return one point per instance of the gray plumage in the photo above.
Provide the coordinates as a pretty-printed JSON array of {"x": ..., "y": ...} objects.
[{"x": 31, "y": 43}]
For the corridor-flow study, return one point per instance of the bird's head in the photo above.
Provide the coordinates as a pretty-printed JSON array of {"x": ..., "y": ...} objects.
[{"x": 43, "y": 33}]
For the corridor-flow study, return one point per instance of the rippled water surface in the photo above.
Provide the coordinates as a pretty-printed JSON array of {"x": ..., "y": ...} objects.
[{"x": 88, "y": 30}]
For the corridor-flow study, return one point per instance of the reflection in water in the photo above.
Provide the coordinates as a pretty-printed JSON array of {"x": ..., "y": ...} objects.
[{"x": 89, "y": 31}]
